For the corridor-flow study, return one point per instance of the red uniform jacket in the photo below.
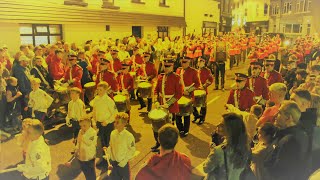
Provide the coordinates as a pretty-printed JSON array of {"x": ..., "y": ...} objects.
[
  {"x": 150, "y": 69},
  {"x": 117, "y": 66},
  {"x": 76, "y": 75},
  {"x": 56, "y": 68},
  {"x": 49, "y": 59},
  {"x": 172, "y": 166},
  {"x": 244, "y": 98},
  {"x": 274, "y": 77},
  {"x": 138, "y": 59},
  {"x": 172, "y": 87},
  {"x": 108, "y": 77},
  {"x": 125, "y": 81},
  {"x": 95, "y": 64},
  {"x": 190, "y": 76},
  {"x": 259, "y": 86},
  {"x": 206, "y": 75}
]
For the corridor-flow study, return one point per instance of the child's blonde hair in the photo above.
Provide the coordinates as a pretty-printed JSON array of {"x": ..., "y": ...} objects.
[
  {"x": 36, "y": 80},
  {"x": 76, "y": 90},
  {"x": 104, "y": 85},
  {"x": 123, "y": 117}
]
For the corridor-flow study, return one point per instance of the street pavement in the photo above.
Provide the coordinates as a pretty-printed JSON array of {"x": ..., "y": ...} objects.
[{"x": 195, "y": 145}]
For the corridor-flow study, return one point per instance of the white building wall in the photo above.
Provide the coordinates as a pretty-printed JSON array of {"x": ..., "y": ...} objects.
[
  {"x": 195, "y": 14},
  {"x": 10, "y": 36}
]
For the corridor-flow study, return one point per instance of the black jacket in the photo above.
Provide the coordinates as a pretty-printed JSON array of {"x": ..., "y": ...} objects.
[{"x": 288, "y": 160}]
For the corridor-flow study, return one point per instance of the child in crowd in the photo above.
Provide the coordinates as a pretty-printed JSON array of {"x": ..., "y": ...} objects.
[
  {"x": 23, "y": 140},
  {"x": 103, "y": 114},
  {"x": 39, "y": 100},
  {"x": 262, "y": 149},
  {"x": 76, "y": 110},
  {"x": 121, "y": 149},
  {"x": 86, "y": 148},
  {"x": 13, "y": 96}
]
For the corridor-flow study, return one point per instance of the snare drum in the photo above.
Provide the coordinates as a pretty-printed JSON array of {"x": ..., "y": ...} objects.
[
  {"x": 122, "y": 102},
  {"x": 134, "y": 76},
  {"x": 185, "y": 106},
  {"x": 200, "y": 98},
  {"x": 90, "y": 90},
  {"x": 63, "y": 94},
  {"x": 145, "y": 89},
  {"x": 158, "y": 117}
]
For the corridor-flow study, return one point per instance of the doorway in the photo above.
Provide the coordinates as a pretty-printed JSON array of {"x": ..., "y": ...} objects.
[{"x": 137, "y": 31}]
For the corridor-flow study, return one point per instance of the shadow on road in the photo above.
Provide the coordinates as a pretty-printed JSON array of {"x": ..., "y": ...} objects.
[
  {"x": 145, "y": 118},
  {"x": 208, "y": 128},
  {"x": 12, "y": 174},
  {"x": 136, "y": 135},
  {"x": 56, "y": 136},
  {"x": 199, "y": 149}
]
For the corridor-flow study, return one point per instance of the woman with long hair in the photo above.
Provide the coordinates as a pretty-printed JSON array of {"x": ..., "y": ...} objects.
[{"x": 232, "y": 157}]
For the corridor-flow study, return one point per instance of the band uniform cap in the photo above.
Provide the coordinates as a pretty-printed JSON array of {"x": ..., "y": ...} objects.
[
  {"x": 241, "y": 76},
  {"x": 186, "y": 58},
  {"x": 168, "y": 61},
  {"x": 102, "y": 52},
  {"x": 23, "y": 58},
  {"x": 146, "y": 54},
  {"x": 104, "y": 60}
]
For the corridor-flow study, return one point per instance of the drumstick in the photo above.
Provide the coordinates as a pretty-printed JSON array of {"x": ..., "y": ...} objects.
[
  {"x": 107, "y": 158},
  {"x": 68, "y": 164},
  {"x": 8, "y": 170}
]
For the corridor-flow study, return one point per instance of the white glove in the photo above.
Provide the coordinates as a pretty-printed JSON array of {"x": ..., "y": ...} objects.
[{"x": 21, "y": 167}]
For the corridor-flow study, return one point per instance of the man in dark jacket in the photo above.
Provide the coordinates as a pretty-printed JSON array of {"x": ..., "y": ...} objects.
[
  {"x": 22, "y": 73},
  {"x": 288, "y": 160}
]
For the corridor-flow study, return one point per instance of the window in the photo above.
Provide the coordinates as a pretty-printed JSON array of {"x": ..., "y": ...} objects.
[
  {"x": 308, "y": 29},
  {"x": 298, "y": 6},
  {"x": 109, "y": 4},
  {"x": 163, "y": 3},
  {"x": 287, "y": 7},
  {"x": 206, "y": 15},
  {"x": 37, "y": 34},
  {"x": 296, "y": 28},
  {"x": 257, "y": 10},
  {"x": 292, "y": 28},
  {"x": 246, "y": 12},
  {"x": 75, "y": 3},
  {"x": 163, "y": 31},
  {"x": 138, "y": 1},
  {"x": 309, "y": 6},
  {"x": 266, "y": 6}
]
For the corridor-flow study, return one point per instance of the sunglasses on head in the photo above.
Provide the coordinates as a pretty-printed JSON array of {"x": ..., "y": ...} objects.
[
  {"x": 238, "y": 80},
  {"x": 255, "y": 68}
]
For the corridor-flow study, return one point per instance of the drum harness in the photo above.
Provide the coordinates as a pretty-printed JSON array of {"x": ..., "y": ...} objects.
[
  {"x": 236, "y": 97},
  {"x": 41, "y": 76}
]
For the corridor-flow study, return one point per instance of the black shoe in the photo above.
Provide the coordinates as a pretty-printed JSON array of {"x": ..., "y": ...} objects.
[
  {"x": 216, "y": 88},
  {"x": 184, "y": 134},
  {"x": 200, "y": 122},
  {"x": 195, "y": 119},
  {"x": 155, "y": 146},
  {"x": 181, "y": 132},
  {"x": 142, "y": 107},
  {"x": 155, "y": 150}
]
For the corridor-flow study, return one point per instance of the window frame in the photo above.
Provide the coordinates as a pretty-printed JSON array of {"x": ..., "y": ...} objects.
[
  {"x": 48, "y": 34},
  {"x": 162, "y": 30}
]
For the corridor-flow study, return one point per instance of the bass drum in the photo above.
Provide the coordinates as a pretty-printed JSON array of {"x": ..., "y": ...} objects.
[
  {"x": 200, "y": 98},
  {"x": 185, "y": 106},
  {"x": 122, "y": 102},
  {"x": 90, "y": 90},
  {"x": 145, "y": 89},
  {"x": 158, "y": 117}
]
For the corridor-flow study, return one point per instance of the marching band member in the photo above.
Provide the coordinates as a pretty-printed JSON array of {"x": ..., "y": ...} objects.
[
  {"x": 116, "y": 63},
  {"x": 56, "y": 68},
  {"x": 38, "y": 158},
  {"x": 206, "y": 79},
  {"x": 86, "y": 148},
  {"x": 242, "y": 97},
  {"x": 136, "y": 59},
  {"x": 76, "y": 110},
  {"x": 220, "y": 64},
  {"x": 122, "y": 148},
  {"x": 74, "y": 73},
  {"x": 103, "y": 114},
  {"x": 258, "y": 84},
  {"x": 190, "y": 81},
  {"x": 39, "y": 100},
  {"x": 95, "y": 61},
  {"x": 270, "y": 74},
  {"x": 169, "y": 91},
  {"x": 146, "y": 72},
  {"x": 107, "y": 76}
]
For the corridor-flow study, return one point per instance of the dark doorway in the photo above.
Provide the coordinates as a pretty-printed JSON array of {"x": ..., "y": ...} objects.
[{"x": 136, "y": 31}]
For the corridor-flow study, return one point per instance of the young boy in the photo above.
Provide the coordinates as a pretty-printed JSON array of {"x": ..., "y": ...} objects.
[
  {"x": 121, "y": 149},
  {"x": 103, "y": 114},
  {"x": 13, "y": 96},
  {"x": 38, "y": 158},
  {"x": 39, "y": 100},
  {"x": 76, "y": 110},
  {"x": 86, "y": 148}
]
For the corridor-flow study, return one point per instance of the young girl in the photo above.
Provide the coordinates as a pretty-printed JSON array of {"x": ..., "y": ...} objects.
[{"x": 14, "y": 105}]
